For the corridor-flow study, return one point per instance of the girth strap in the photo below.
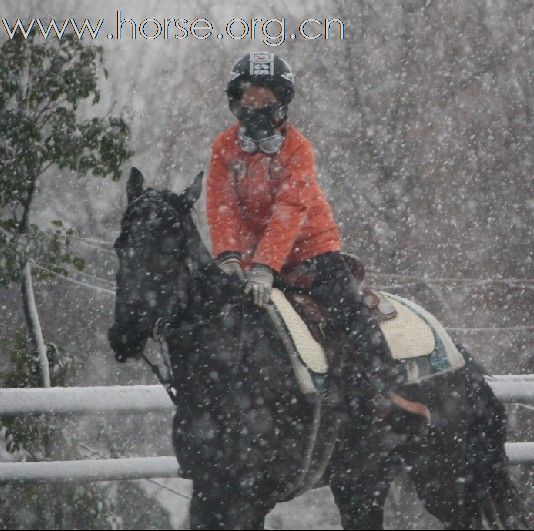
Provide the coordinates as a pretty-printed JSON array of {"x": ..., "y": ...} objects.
[{"x": 324, "y": 417}]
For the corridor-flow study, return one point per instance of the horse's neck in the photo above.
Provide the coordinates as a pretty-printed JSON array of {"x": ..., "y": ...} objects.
[
  {"x": 209, "y": 288},
  {"x": 199, "y": 259}
]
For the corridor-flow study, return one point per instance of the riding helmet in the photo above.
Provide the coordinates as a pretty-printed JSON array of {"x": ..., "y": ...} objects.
[{"x": 260, "y": 68}]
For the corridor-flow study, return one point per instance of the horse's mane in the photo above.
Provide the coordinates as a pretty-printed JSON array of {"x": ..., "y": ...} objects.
[{"x": 165, "y": 211}]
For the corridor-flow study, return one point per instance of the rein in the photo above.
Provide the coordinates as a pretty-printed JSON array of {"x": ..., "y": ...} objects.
[
  {"x": 165, "y": 377},
  {"x": 166, "y": 380}
]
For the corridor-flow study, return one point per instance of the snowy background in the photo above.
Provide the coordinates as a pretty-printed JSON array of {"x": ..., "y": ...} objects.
[{"x": 422, "y": 121}]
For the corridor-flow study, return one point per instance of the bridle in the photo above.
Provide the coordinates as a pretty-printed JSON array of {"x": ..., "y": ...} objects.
[
  {"x": 166, "y": 379},
  {"x": 158, "y": 329}
]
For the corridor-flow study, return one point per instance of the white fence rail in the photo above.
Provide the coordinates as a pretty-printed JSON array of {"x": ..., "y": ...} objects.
[
  {"x": 80, "y": 400},
  {"x": 512, "y": 388},
  {"x": 89, "y": 470},
  {"x": 153, "y": 398},
  {"x": 147, "y": 468},
  {"x": 147, "y": 398}
]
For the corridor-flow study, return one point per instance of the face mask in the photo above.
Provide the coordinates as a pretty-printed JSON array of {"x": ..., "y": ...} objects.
[{"x": 257, "y": 128}]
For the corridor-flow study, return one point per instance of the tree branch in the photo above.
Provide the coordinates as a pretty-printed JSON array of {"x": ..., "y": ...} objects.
[
  {"x": 42, "y": 112},
  {"x": 34, "y": 325},
  {"x": 25, "y": 221}
]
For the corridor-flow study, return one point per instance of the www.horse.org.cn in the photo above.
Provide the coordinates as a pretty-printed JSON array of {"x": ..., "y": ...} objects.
[{"x": 271, "y": 31}]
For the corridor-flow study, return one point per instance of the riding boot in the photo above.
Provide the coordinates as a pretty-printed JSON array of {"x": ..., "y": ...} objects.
[
  {"x": 337, "y": 289},
  {"x": 366, "y": 345}
]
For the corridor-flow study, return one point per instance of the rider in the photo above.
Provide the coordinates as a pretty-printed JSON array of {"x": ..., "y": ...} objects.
[{"x": 267, "y": 213}]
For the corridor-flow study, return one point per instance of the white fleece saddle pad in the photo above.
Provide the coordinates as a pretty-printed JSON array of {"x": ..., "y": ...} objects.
[{"x": 415, "y": 336}]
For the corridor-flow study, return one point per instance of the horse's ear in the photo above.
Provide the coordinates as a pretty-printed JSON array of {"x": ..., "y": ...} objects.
[
  {"x": 192, "y": 194},
  {"x": 134, "y": 187}
]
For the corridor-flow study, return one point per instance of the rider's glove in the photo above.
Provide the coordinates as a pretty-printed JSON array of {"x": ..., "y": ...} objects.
[
  {"x": 230, "y": 263},
  {"x": 260, "y": 282}
]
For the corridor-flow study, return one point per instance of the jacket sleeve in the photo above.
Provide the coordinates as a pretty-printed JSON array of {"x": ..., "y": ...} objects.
[
  {"x": 224, "y": 218},
  {"x": 289, "y": 211}
]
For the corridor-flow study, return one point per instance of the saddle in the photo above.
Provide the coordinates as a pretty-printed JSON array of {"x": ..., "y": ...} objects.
[
  {"x": 312, "y": 346},
  {"x": 297, "y": 282}
]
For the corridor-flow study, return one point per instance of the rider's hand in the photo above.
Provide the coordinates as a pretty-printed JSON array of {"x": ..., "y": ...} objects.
[
  {"x": 231, "y": 265},
  {"x": 260, "y": 282}
]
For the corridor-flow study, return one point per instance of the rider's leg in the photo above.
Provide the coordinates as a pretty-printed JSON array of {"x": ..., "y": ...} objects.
[{"x": 337, "y": 289}]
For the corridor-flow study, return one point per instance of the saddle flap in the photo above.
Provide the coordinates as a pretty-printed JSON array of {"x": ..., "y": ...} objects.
[
  {"x": 301, "y": 334},
  {"x": 310, "y": 312}
]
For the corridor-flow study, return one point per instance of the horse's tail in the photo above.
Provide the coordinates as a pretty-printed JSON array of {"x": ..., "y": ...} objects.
[{"x": 491, "y": 496}]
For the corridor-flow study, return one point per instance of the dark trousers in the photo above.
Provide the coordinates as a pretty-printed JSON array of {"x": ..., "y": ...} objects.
[{"x": 336, "y": 288}]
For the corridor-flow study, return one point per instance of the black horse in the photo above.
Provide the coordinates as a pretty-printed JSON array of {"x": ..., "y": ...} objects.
[{"x": 241, "y": 425}]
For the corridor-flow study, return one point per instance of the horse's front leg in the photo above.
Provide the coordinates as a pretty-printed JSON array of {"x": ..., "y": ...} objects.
[{"x": 219, "y": 506}]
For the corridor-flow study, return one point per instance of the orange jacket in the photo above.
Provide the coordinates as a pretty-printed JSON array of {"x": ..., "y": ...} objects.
[{"x": 270, "y": 208}]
